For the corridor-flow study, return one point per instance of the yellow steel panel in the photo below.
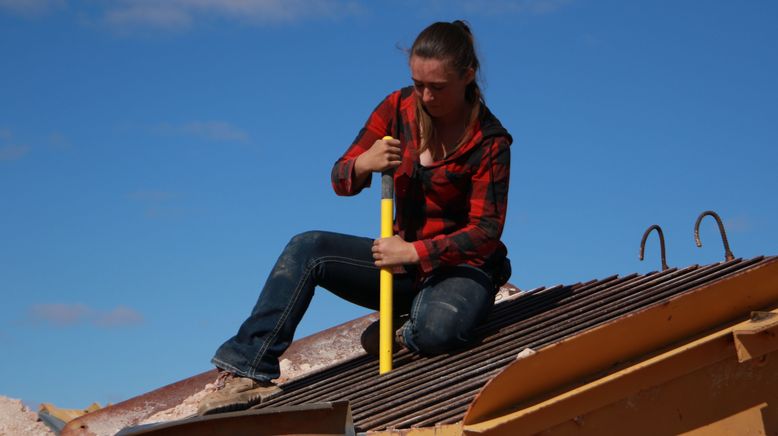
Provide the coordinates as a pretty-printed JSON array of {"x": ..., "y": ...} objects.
[
  {"x": 758, "y": 337},
  {"x": 726, "y": 398},
  {"x": 747, "y": 422},
  {"x": 686, "y": 367},
  {"x": 569, "y": 362}
]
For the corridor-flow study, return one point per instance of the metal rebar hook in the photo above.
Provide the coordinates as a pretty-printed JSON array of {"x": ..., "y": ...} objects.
[
  {"x": 727, "y": 252},
  {"x": 661, "y": 243}
]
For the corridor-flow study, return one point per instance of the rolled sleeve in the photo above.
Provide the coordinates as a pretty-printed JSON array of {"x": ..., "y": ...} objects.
[{"x": 376, "y": 127}]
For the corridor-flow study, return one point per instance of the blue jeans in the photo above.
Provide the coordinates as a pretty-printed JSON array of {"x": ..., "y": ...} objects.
[{"x": 443, "y": 309}]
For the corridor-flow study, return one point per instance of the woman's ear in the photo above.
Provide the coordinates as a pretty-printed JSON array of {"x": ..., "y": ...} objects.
[{"x": 469, "y": 75}]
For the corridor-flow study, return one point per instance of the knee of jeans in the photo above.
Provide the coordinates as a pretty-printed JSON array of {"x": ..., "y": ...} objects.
[
  {"x": 306, "y": 242},
  {"x": 435, "y": 340},
  {"x": 439, "y": 332}
]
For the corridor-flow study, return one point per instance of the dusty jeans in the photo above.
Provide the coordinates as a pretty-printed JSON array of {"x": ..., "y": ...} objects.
[{"x": 443, "y": 309}]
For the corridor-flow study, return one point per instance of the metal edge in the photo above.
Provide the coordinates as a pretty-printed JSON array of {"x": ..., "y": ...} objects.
[{"x": 547, "y": 370}]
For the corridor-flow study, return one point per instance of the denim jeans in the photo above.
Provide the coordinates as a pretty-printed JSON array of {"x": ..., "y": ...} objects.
[{"x": 443, "y": 309}]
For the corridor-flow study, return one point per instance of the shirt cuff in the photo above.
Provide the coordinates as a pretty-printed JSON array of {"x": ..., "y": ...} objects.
[
  {"x": 348, "y": 177},
  {"x": 425, "y": 262},
  {"x": 352, "y": 176}
]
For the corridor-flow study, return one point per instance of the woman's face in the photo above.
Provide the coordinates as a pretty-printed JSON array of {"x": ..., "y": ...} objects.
[{"x": 440, "y": 88}]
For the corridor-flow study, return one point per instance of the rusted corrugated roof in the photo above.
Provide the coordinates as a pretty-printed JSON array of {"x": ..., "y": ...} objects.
[{"x": 424, "y": 391}]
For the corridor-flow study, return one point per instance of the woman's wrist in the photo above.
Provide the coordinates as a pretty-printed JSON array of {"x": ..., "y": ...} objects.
[
  {"x": 360, "y": 173},
  {"x": 413, "y": 256}
]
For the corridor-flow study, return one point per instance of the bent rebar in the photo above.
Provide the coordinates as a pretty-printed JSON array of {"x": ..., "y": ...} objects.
[
  {"x": 661, "y": 243},
  {"x": 727, "y": 252}
]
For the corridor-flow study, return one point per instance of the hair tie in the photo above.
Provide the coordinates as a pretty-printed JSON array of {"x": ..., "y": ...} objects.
[{"x": 462, "y": 25}]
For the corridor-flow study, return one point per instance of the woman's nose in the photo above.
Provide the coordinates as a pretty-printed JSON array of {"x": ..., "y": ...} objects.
[{"x": 427, "y": 96}]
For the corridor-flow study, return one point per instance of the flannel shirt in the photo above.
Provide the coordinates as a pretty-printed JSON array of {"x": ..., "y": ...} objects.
[{"x": 453, "y": 211}]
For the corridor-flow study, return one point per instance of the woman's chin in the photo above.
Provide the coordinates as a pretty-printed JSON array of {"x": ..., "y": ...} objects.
[{"x": 434, "y": 112}]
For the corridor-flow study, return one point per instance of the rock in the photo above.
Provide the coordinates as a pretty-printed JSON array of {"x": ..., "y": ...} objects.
[{"x": 18, "y": 419}]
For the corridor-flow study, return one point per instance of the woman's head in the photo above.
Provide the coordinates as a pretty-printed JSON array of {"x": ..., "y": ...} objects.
[
  {"x": 444, "y": 66},
  {"x": 452, "y": 45}
]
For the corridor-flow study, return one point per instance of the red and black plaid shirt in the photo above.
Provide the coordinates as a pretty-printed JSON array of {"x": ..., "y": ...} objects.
[{"x": 453, "y": 210}]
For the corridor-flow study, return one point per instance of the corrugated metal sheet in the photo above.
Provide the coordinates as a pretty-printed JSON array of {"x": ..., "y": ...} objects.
[{"x": 424, "y": 391}]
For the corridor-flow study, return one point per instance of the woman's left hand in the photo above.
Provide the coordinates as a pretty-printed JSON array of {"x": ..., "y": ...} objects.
[{"x": 394, "y": 251}]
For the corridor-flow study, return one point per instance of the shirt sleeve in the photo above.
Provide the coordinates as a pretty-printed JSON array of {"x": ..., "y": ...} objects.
[
  {"x": 488, "y": 204},
  {"x": 376, "y": 127}
]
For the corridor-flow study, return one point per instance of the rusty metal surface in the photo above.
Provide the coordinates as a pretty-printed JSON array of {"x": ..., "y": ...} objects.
[
  {"x": 438, "y": 430},
  {"x": 426, "y": 391},
  {"x": 111, "y": 419},
  {"x": 311, "y": 355},
  {"x": 310, "y": 419},
  {"x": 333, "y": 346}
]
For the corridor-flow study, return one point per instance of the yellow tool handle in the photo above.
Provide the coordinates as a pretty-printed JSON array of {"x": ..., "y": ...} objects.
[{"x": 385, "y": 322}]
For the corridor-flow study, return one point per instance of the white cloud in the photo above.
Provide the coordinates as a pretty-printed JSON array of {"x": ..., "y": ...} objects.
[
  {"x": 210, "y": 130},
  {"x": 58, "y": 141},
  {"x": 182, "y": 14},
  {"x": 13, "y": 152},
  {"x": 738, "y": 224},
  {"x": 63, "y": 315},
  {"x": 152, "y": 196},
  {"x": 120, "y": 316},
  {"x": 545, "y": 6},
  {"x": 216, "y": 130},
  {"x": 164, "y": 16},
  {"x": 31, "y": 7},
  {"x": 158, "y": 204},
  {"x": 60, "y": 314},
  {"x": 508, "y": 7},
  {"x": 5, "y": 338}
]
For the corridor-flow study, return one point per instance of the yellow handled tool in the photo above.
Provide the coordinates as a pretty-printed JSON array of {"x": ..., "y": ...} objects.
[{"x": 386, "y": 320}]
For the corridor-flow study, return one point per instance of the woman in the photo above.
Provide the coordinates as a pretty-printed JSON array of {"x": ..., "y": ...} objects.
[{"x": 451, "y": 167}]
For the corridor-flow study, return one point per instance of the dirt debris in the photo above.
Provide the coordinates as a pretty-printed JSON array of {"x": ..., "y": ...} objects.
[
  {"x": 187, "y": 408},
  {"x": 16, "y": 419}
]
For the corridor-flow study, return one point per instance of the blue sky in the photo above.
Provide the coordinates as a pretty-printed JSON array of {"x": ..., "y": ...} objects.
[{"x": 154, "y": 160}]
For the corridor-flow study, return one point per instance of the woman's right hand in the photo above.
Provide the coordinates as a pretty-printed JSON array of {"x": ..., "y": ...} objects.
[{"x": 383, "y": 155}]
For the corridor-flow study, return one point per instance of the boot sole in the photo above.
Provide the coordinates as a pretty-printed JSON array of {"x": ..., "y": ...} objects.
[{"x": 241, "y": 401}]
